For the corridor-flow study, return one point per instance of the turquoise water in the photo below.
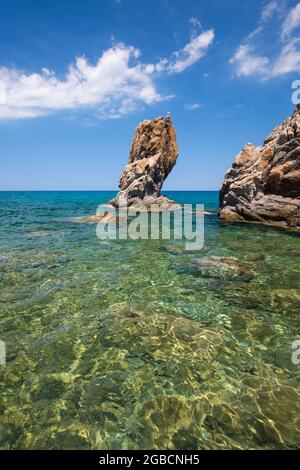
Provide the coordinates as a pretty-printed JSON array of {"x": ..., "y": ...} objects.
[{"x": 140, "y": 344}]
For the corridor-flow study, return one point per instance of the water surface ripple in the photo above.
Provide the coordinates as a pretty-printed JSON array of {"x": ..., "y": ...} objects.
[{"x": 142, "y": 345}]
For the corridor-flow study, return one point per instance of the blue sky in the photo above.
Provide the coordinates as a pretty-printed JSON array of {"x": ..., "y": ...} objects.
[{"x": 76, "y": 77}]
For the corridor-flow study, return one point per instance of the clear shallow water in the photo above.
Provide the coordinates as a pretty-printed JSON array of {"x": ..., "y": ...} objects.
[{"x": 138, "y": 345}]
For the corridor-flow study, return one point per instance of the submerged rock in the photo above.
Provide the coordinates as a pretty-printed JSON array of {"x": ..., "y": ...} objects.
[
  {"x": 221, "y": 267},
  {"x": 263, "y": 184},
  {"x": 194, "y": 385},
  {"x": 161, "y": 340},
  {"x": 227, "y": 265}
]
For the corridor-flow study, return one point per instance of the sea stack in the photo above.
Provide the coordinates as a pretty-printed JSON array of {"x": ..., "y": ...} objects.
[
  {"x": 263, "y": 184},
  {"x": 153, "y": 154}
]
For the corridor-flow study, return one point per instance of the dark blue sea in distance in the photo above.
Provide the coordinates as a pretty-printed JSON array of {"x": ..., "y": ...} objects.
[{"x": 142, "y": 344}]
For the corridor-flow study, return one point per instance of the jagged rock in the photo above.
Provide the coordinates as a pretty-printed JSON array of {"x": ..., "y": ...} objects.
[
  {"x": 152, "y": 156},
  {"x": 263, "y": 183}
]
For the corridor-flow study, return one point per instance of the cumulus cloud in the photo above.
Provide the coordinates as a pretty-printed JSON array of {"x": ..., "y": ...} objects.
[
  {"x": 248, "y": 62},
  {"x": 117, "y": 79},
  {"x": 116, "y": 85}
]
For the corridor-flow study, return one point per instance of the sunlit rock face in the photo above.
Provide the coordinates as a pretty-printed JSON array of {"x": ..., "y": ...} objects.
[
  {"x": 153, "y": 154},
  {"x": 263, "y": 183}
]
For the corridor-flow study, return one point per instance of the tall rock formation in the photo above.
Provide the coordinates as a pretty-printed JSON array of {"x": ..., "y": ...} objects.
[
  {"x": 152, "y": 157},
  {"x": 263, "y": 183}
]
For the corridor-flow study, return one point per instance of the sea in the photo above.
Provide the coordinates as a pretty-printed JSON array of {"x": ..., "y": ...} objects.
[{"x": 141, "y": 344}]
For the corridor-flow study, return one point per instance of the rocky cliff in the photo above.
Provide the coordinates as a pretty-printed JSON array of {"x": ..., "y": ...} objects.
[
  {"x": 263, "y": 183},
  {"x": 152, "y": 156}
]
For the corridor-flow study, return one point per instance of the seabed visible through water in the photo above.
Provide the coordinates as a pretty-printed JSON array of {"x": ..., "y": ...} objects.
[{"x": 141, "y": 344}]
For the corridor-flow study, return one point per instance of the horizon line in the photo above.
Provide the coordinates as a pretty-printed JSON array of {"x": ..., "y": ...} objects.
[{"x": 96, "y": 190}]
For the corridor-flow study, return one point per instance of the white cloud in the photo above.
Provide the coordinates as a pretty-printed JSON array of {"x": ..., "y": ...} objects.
[
  {"x": 288, "y": 60},
  {"x": 192, "y": 106},
  {"x": 248, "y": 63},
  {"x": 161, "y": 66},
  {"x": 195, "y": 26},
  {"x": 254, "y": 33},
  {"x": 191, "y": 53},
  {"x": 266, "y": 14},
  {"x": 292, "y": 21},
  {"x": 116, "y": 85},
  {"x": 269, "y": 9},
  {"x": 115, "y": 79}
]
